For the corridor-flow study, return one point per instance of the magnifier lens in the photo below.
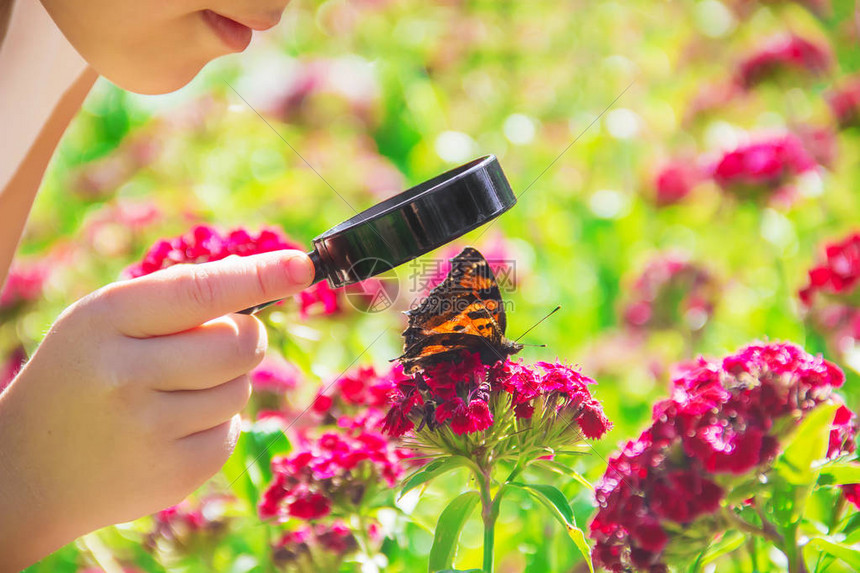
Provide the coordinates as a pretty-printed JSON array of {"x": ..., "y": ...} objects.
[{"x": 411, "y": 223}]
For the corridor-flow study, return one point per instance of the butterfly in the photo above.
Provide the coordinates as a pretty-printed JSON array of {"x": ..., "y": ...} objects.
[{"x": 463, "y": 313}]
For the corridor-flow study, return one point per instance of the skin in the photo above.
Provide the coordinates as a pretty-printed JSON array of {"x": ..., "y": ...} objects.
[
  {"x": 153, "y": 46},
  {"x": 130, "y": 402}
]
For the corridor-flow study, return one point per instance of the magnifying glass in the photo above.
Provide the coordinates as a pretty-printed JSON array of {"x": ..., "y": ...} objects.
[{"x": 410, "y": 224}]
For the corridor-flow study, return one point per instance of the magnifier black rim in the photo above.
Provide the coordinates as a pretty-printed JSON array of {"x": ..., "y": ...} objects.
[{"x": 403, "y": 198}]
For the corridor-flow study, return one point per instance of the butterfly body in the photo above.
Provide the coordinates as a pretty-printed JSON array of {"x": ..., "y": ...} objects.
[{"x": 464, "y": 313}]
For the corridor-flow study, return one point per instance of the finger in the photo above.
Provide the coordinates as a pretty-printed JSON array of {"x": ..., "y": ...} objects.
[
  {"x": 187, "y": 412},
  {"x": 202, "y": 357},
  {"x": 208, "y": 450},
  {"x": 184, "y": 296}
]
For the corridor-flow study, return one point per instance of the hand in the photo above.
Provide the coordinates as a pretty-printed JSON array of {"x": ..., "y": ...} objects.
[{"x": 130, "y": 402}]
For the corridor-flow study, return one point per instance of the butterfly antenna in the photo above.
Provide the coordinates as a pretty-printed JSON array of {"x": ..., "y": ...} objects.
[{"x": 555, "y": 310}]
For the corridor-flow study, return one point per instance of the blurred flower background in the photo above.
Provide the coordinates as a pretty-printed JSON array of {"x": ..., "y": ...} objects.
[{"x": 689, "y": 184}]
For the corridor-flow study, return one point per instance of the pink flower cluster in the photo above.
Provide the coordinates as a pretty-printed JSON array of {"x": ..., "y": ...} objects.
[
  {"x": 361, "y": 387},
  {"x": 274, "y": 376},
  {"x": 762, "y": 169},
  {"x": 843, "y": 436},
  {"x": 23, "y": 285},
  {"x": 785, "y": 53},
  {"x": 460, "y": 394},
  {"x": 674, "y": 181},
  {"x": 843, "y": 441},
  {"x": 845, "y": 103},
  {"x": 335, "y": 470},
  {"x": 719, "y": 421},
  {"x": 671, "y": 291},
  {"x": 182, "y": 524},
  {"x": 838, "y": 274},
  {"x": 204, "y": 243},
  {"x": 830, "y": 297},
  {"x": 333, "y": 538},
  {"x": 181, "y": 515},
  {"x": 761, "y": 166}
]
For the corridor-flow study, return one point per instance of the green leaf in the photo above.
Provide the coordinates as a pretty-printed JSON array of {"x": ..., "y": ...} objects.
[
  {"x": 788, "y": 501},
  {"x": 248, "y": 470},
  {"x": 552, "y": 498},
  {"x": 578, "y": 537},
  {"x": 267, "y": 440},
  {"x": 237, "y": 474},
  {"x": 431, "y": 471},
  {"x": 850, "y": 524},
  {"x": 448, "y": 528},
  {"x": 841, "y": 551},
  {"x": 808, "y": 445},
  {"x": 727, "y": 543},
  {"x": 839, "y": 473},
  {"x": 565, "y": 470},
  {"x": 460, "y": 571},
  {"x": 557, "y": 503}
]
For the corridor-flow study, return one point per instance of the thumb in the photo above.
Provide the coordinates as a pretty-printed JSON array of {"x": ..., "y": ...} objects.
[{"x": 182, "y": 297}]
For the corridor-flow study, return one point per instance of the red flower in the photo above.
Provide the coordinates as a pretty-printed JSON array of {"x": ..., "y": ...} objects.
[
  {"x": 838, "y": 274},
  {"x": 843, "y": 435},
  {"x": 674, "y": 181},
  {"x": 458, "y": 393},
  {"x": 718, "y": 423},
  {"x": 475, "y": 418},
  {"x": 205, "y": 243},
  {"x": 671, "y": 291},
  {"x": 592, "y": 421},
  {"x": 23, "y": 285},
  {"x": 760, "y": 168},
  {"x": 845, "y": 103},
  {"x": 780, "y": 55},
  {"x": 312, "y": 506},
  {"x": 319, "y": 296},
  {"x": 274, "y": 376},
  {"x": 335, "y": 539},
  {"x": 852, "y": 493},
  {"x": 189, "y": 521},
  {"x": 335, "y": 469},
  {"x": 650, "y": 536},
  {"x": 322, "y": 404}
]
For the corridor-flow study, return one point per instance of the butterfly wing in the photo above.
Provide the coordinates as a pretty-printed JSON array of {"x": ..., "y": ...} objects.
[
  {"x": 469, "y": 282},
  {"x": 464, "y": 312}
]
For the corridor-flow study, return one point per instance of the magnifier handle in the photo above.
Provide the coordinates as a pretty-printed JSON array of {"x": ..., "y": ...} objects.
[{"x": 318, "y": 276}]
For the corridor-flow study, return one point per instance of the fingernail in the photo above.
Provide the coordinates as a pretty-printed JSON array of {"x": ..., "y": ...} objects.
[{"x": 301, "y": 269}]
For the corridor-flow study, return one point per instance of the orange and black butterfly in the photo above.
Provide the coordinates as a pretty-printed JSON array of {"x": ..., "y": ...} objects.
[{"x": 463, "y": 313}]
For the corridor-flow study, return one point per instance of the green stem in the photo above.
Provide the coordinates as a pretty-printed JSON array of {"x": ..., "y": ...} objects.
[
  {"x": 489, "y": 541},
  {"x": 792, "y": 551},
  {"x": 742, "y": 525},
  {"x": 752, "y": 548},
  {"x": 489, "y": 513},
  {"x": 838, "y": 508}
]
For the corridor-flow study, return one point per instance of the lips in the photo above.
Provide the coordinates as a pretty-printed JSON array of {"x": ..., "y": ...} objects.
[{"x": 233, "y": 34}]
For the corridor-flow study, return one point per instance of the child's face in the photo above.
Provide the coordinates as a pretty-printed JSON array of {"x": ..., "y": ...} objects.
[{"x": 157, "y": 46}]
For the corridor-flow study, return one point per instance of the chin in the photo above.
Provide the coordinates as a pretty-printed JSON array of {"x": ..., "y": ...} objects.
[{"x": 153, "y": 80}]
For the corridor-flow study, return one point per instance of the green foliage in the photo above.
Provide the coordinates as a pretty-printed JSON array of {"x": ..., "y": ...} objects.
[{"x": 451, "y": 522}]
